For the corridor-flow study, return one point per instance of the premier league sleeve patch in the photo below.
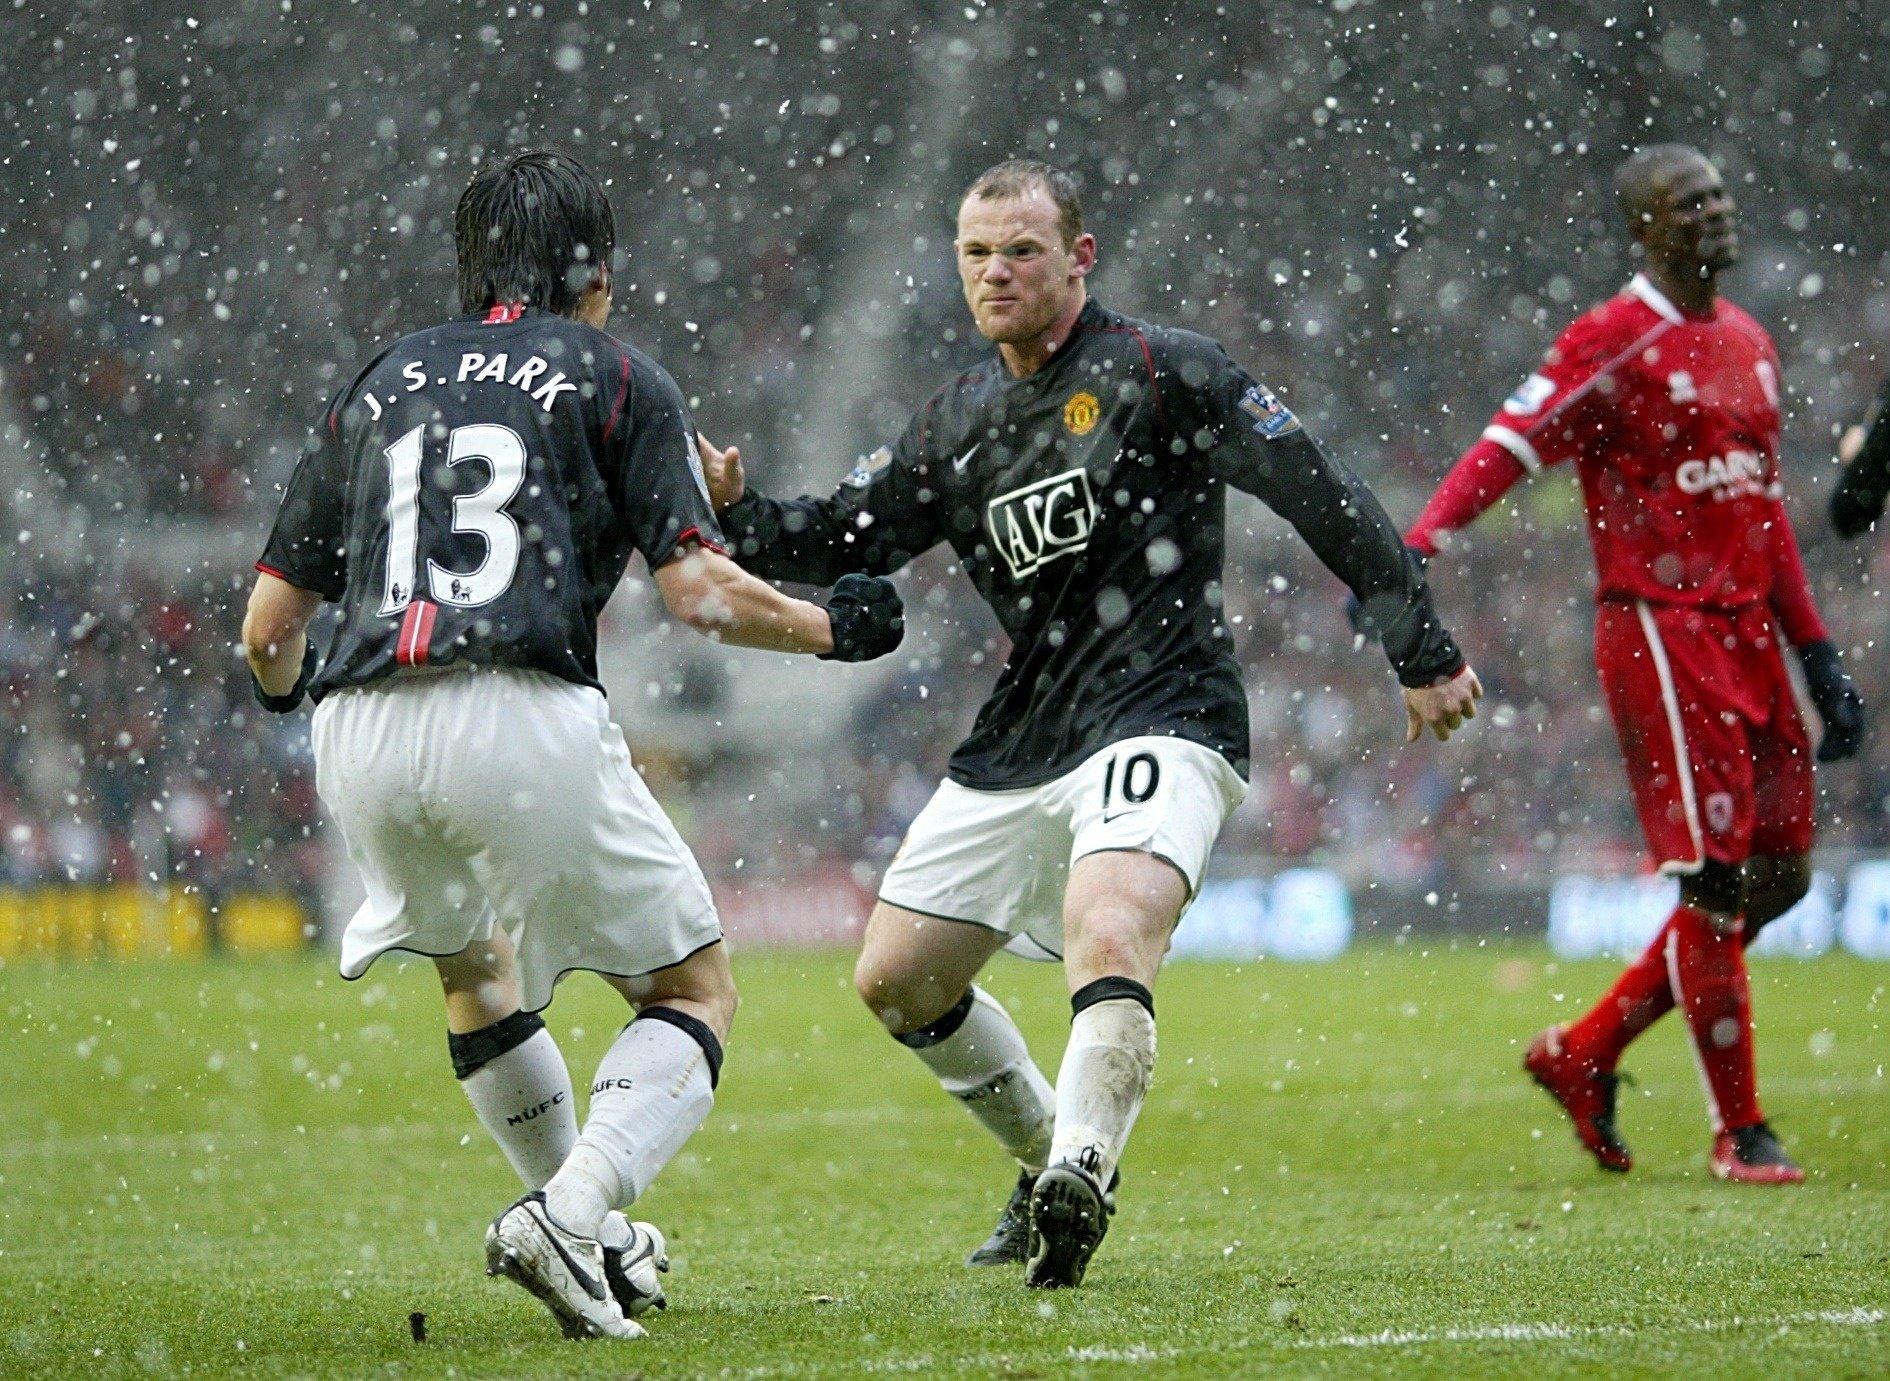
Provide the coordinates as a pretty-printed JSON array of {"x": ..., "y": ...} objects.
[
  {"x": 863, "y": 474},
  {"x": 1271, "y": 418},
  {"x": 695, "y": 468},
  {"x": 1530, "y": 395}
]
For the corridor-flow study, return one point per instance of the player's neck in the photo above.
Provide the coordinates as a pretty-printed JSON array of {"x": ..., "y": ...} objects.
[
  {"x": 1693, "y": 290},
  {"x": 1023, "y": 358}
]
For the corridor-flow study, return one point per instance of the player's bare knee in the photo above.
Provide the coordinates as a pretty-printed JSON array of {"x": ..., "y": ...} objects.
[
  {"x": 902, "y": 1001},
  {"x": 721, "y": 1006},
  {"x": 715, "y": 994},
  {"x": 869, "y": 983},
  {"x": 1115, "y": 939},
  {"x": 480, "y": 963}
]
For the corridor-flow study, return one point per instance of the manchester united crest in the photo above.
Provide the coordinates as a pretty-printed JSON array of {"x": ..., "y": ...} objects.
[{"x": 1081, "y": 412}]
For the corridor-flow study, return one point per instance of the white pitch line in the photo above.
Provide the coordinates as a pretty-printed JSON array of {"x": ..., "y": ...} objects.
[
  {"x": 1139, "y": 1354},
  {"x": 1855, "y": 1317}
]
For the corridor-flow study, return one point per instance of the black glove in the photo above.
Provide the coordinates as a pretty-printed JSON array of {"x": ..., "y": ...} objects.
[
  {"x": 868, "y": 618},
  {"x": 1355, "y": 612},
  {"x": 1839, "y": 705},
  {"x": 282, "y": 704}
]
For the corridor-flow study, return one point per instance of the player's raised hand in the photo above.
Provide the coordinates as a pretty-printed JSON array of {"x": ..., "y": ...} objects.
[
  {"x": 722, "y": 471},
  {"x": 1443, "y": 707}
]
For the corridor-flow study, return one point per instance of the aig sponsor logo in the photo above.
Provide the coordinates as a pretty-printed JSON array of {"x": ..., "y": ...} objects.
[
  {"x": 1035, "y": 525},
  {"x": 1729, "y": 476}
]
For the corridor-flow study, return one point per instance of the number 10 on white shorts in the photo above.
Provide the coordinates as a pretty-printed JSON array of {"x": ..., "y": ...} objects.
[{"x": 1001, "y": 859}]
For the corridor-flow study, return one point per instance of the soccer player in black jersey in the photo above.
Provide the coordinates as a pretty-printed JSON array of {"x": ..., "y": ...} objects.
[
  {"x": 1857, "y": 502},
  {"x": 1079, "y": 475},
  {"x": 470, "y": 500}
]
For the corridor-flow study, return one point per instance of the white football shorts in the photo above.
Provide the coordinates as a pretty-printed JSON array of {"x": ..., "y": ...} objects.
[
  {"x": 479, "y": 796},
  {"x": 1000, "y": 859}
]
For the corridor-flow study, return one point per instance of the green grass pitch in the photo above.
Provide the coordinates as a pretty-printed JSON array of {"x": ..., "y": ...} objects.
[{"x": 256, "y": 1169}]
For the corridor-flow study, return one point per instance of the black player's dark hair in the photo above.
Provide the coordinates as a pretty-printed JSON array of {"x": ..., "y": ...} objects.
[
  {"x": 1637, "y": 182},
  {"x": 535, "y": 228},
  {"x": 1015, "y": 177}
]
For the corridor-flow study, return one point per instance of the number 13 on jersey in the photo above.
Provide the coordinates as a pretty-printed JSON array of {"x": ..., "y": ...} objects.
[{"x": 481, "y": 512}]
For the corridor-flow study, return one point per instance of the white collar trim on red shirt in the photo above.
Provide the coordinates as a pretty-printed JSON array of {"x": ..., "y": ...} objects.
[{"x": 1642, "y": 287}]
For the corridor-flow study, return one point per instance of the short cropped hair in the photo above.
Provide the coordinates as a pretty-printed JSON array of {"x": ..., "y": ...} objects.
[
  {"x": 1018, "y": 177},
  {"x": 536, "y": 228},
  {"x": 1637, "y": 180}
]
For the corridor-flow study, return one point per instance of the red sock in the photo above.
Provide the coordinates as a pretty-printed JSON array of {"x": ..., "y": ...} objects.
[
  {"x": 1640, "y": 997},
  {"x": 1708, "y": 971}
]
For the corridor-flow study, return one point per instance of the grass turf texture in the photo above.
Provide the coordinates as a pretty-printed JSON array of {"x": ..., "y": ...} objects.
[{"x": 254, "y": 1168}]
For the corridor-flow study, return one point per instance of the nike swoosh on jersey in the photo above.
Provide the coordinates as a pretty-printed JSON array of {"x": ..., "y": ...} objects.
[{"x": 958, "y": 466}]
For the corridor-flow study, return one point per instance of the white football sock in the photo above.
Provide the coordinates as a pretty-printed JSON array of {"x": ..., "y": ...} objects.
[
  {"x": 986, "y": 1065},
  {"x": 523, "y": 1098},
  {"x": 1105, "y": 1076},
  {"x": 580, "y": 1195},
  {"x": 653, "y": 1090}
]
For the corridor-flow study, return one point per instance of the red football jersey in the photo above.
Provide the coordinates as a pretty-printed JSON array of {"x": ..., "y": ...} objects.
[{"x": 1673, "y": 423}]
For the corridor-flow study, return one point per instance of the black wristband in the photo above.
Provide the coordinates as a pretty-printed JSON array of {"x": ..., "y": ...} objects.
[
  {"x": 283, "y": 704},
  {"x": 867, "y": 617}
]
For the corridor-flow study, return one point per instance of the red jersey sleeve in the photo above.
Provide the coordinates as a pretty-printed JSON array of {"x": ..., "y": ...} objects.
[
  {"x": 1486, "y": 472},
  {"x": 1549, "y": 418},
  {"x": 1561, "y": 408}
]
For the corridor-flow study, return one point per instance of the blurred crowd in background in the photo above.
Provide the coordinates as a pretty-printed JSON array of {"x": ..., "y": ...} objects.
[{"x": 1386, "y": 212}]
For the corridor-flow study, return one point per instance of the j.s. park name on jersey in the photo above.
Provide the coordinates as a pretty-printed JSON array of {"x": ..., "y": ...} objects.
[{"x": 532, "y": 374}]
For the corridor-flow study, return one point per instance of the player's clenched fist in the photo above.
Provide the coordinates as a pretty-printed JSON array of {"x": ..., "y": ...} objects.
[
  {"x": 1443, "y": 707},
  {"x": 868, "y": 617}
]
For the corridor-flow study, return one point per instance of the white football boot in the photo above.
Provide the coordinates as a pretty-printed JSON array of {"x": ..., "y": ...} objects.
[
  {"x": 565, "y": 1271},
  {"x": 634, "y": 1273}
]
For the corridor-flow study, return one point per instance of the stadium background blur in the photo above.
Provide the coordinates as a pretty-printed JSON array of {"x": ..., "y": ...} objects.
[{"x": 216, "y": 215}]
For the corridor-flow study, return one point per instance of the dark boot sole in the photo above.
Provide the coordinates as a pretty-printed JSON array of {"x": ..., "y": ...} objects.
[
  {"x": 1067, "y": 1223},
  {"x": 505, "y": 1263}
]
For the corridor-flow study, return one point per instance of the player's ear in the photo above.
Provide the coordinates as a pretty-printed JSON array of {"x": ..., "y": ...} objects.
[
  {"x": 1083, "y": 255},
  {"x": 594, "y": 306}
]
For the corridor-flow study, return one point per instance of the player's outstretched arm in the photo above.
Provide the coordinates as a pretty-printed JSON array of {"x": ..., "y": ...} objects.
[
  {"x": 1340, "y": 518},
  {"x": 863, "y": 619},
  {"x": 880, "y": 518},
  {"x": 1481, "y": 477},
  {"x": 275, "y": 641}
]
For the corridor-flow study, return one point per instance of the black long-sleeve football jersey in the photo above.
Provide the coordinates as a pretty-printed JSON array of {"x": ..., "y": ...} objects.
[
  {"x": 474, "y": 495},
  {"x": 1086, "y": 501},
  {"x": 1858, "y": 500}
]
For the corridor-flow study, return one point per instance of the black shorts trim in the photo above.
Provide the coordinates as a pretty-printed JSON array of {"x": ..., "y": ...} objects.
[
  {"x": 556, "y": 978},
  {"x": 935, "y": 916},
  {"x": 1180, "y": 871}
]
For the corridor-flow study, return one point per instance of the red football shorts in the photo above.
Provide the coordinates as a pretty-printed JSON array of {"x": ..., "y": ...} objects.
[{"x": 1717, "y": 756}]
